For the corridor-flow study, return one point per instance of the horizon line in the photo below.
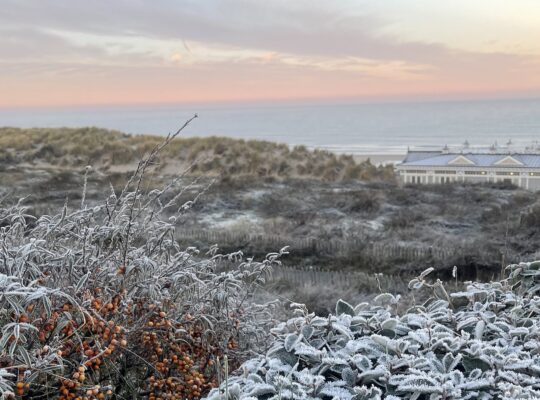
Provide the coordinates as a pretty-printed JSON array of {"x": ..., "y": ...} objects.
[{"x": 419, "y": 98}]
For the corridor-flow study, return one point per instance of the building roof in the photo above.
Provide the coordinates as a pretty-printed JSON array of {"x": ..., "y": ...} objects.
[
  {"x": 419, "y": 155},
  {"x": 441, "y": 159}
]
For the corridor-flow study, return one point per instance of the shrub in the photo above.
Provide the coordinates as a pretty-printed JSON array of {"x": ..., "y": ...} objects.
[
  {"x": 364, "y": 201},
  {"x": 531, "y": 218},
  {"x": 404, "y": 218},
  {"x": 102, "y": 302},
  {"x": 481, "y": 343}
]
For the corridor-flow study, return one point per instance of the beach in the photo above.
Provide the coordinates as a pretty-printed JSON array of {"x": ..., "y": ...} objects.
[{"x": 379, "y": 159}]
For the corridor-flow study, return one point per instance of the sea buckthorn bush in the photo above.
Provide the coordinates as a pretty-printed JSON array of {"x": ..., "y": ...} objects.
[
  {"x": 480, "y": 343},
  {"x": 101, "y": 302}
]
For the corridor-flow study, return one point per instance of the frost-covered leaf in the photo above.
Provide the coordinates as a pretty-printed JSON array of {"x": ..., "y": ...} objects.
[
  {"x": 342, "y": 307},
  {"x": 349, "y": 376},
  {"x": 483, "y": 347},
  {"x": 389, "y": 324}
]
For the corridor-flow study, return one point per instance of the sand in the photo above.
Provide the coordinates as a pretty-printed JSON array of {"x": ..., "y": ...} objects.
[{"x": 379, "y": 159}]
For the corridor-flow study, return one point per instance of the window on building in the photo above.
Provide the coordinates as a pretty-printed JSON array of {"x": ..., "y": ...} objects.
[{"x": 475, "y": 173}]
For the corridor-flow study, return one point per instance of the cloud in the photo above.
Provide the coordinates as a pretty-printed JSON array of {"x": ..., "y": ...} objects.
[
  {"x": 176, "y": 57},
  {"x": 312, "y": 28},
  {"x": 267, "y": 49}
]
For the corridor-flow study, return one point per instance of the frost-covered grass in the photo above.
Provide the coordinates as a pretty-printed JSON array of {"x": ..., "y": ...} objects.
[{"x": 481, "y": 343}]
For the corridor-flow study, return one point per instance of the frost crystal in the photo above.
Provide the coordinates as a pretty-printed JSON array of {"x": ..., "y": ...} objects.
[{"x": 483, "y": 348}]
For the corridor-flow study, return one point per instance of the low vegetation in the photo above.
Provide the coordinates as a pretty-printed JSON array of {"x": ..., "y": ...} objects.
[
  {"x": 479, "y": 228},
  {"x": 101, "y": 302},
  {"x": 108, "y": 298},
  {"x": 480, "y": 343},
  {"x": 114, "y": 151}
]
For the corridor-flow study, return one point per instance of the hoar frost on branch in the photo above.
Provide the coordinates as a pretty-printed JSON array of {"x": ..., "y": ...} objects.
[{"x": 102, "y": 302}]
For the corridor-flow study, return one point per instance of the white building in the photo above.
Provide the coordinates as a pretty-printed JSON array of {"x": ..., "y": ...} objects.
[{"x": 445, "y": 166}]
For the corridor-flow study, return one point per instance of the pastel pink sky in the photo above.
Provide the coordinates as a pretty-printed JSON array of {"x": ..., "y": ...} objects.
[{"x": 71, "y": 52}]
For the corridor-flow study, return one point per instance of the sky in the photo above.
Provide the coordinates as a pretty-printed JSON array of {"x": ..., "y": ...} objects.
[{"x": 99, "y": 52}]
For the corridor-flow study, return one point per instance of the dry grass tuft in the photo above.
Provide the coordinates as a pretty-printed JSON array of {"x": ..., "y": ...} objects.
[{"x": 229, "y": 158}]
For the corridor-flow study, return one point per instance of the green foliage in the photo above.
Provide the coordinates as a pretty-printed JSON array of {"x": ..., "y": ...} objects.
[
  {"x": 481, "y": 343},
  {"x": 525, "y": 277}
]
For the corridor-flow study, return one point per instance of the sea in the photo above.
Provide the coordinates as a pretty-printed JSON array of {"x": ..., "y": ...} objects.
[{"x": 347, "y": 127}]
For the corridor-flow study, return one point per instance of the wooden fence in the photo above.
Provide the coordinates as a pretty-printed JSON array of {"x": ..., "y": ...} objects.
[
  {"x": 313, "y": 276},
  {"x": 304, "y": 276},
  {"x": 353, "y": 246},
  {"x": 332, "y": 246}
]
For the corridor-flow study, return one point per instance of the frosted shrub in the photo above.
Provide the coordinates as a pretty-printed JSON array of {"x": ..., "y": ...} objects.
[
  {"x": 482, "y": 343},
  {"x": 101, "y": 302}
]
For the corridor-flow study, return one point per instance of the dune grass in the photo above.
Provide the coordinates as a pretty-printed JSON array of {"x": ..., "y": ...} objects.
[{"x": 110, "y": 150}]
